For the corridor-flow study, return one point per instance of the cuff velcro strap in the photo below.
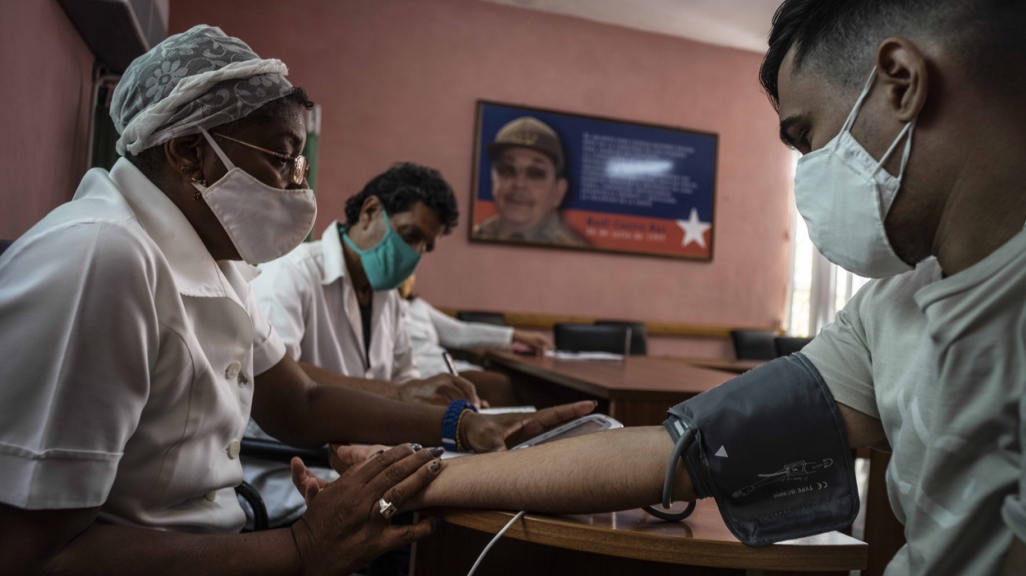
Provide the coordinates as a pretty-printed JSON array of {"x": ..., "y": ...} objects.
[{"x": 770, "y": 446}]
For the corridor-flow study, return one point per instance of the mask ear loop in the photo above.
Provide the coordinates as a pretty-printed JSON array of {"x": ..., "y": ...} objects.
[
  {"x": 906, "y": 130},
  {"x": 887, "y": 197},
  {"x": 217, "y": 149},
  {"x": 858, "y": 103}
]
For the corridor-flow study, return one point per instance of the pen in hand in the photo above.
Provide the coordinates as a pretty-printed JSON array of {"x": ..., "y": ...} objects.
[{"x": 449, "y": 363}]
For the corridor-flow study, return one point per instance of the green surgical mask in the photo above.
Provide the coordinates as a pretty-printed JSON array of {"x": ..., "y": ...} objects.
[{"x": 389, "y": 262}]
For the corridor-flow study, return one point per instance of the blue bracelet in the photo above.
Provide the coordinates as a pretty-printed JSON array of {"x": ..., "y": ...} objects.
[{"x": 450, "y": 422}]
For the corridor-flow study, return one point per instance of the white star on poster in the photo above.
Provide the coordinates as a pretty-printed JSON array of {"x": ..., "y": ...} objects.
[{"x": 694, "y": 229}]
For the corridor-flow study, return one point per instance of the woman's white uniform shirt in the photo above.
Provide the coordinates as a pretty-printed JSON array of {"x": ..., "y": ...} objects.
[{"x": 129, "y": 356}]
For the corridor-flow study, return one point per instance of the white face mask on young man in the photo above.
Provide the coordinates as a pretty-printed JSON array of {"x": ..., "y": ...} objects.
[
  {"x": 263, "y": 222},
  {"x": 844, "y": 196}
]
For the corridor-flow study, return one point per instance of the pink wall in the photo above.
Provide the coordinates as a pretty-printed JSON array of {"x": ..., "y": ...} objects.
[
  {"x": 398, "y": 80},
  {"x": 46, "y": 96}
]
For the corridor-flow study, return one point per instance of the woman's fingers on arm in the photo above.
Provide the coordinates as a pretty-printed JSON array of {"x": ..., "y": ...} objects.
[
  {"x": 397, "y": 536},
  {"x": 402, "y": 492},
  {"x": 367, "y": 471},
  {"x": 400, "y": 469},
  {"x": 348, "y": 456}
]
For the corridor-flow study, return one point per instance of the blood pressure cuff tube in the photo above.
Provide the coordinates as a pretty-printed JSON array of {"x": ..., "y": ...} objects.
[{"x": 771, "y": 448}]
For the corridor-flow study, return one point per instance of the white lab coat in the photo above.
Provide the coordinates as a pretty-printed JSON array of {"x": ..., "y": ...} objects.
[
  {"x": 430, "y": 330},
  {"x": 309, "y": 298},
  {"x": 127, "y": 361}
]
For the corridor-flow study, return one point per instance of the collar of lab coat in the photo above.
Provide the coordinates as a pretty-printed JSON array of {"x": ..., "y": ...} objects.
[
  {"x": 195, "y": 271},
  {"x": 335, "y": 269},
  {"x": 334, "y": 262}
]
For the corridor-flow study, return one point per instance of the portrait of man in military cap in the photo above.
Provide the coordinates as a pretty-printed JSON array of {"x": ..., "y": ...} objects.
[{"x": 528, "y": 185}]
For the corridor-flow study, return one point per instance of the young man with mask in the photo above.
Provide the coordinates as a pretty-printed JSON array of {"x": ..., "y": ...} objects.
[
  {"x": 913, "y": 134},
  {"x": 134, "y": 350},
  {"x": 333, "y": 303}
]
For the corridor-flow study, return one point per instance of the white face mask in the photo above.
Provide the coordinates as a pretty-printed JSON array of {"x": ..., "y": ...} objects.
[
  {"x": 263, "y": 222},
  {"x": 844, "y": 196}
]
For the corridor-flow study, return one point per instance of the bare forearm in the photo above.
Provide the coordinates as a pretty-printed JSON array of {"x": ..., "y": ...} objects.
[
  {"x": 358, "y": 417},
  {"x": 321, "y": 376},
  {"x": 614, "y": 470},
  {"x": 113, "y": 550},
  {"x": 288, "y": 405}
]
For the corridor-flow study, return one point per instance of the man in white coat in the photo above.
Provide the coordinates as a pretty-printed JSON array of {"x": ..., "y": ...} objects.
[{"x": 334, "y": 305}]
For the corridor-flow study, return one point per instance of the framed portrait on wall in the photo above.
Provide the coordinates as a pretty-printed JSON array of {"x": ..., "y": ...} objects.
[{"x": 546, "y": 178}]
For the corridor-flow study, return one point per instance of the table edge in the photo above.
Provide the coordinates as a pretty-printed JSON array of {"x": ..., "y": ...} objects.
[{"x": 540, "y": 529}]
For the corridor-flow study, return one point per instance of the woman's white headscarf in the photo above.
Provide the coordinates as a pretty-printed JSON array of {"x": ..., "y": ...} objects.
[{"x": 200, "y": 78}]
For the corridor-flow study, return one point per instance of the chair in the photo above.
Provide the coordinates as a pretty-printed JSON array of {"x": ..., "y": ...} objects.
[
  {"x": 275, "y": 452},
  {"x": 4, "y": 245},
  {"x": 754, "y": 344},
  {"x": 592, "y": 338},
  {"x": 786, "y": 345},
  {"x": 278, "y": 452},
  {"x": 639, "y": 335},
  {"x": 495, "y": 318}
]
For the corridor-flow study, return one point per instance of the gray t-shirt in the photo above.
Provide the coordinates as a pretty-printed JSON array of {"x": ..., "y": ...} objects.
[{"x": 942, "y": 363}]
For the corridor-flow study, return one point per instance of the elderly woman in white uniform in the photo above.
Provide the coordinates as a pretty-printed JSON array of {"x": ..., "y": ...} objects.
[{"x": 134, "y": 350}]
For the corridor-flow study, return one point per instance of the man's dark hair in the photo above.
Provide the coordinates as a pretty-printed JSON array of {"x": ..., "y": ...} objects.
[
  {"x": 401, "y": 187},
  {"x": 839, "y": 37}
]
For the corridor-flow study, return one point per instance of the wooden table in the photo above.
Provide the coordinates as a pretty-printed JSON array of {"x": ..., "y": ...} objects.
[
  {"x": 621, "y": 543},
  {"x": 735, "y": 366},
  {"x": 636, "y": 391}
]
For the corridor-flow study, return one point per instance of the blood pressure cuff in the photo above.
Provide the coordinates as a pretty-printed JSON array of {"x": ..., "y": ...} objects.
[{"x": 771, "y": 448}]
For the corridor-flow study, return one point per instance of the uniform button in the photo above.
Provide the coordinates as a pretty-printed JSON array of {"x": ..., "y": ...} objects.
[
  {"x": 232, "y": 371},
  {"x": 210, "y": 496},
  {"x": 233, "y": 449}
]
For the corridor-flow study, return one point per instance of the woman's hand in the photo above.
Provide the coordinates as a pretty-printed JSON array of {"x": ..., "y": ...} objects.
[{"x": 344, "y": 528}]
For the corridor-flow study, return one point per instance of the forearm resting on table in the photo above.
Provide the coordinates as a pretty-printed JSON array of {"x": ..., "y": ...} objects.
[
  {"x": 112, "y": 550},
  {"x": 613, "y": 470},
  {"x": 63, "y": 541},
  {"x": 329, "y": 378},
  {"x": 290, "y": 406}
]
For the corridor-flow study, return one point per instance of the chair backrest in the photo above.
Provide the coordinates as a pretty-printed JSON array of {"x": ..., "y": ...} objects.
[
  {"x": 787, "y": 345},
  {"x": 4, "y": 245},
  {"x": 496, "y": 318},
  {"x": 591, "y": 338},
  {"x": 754, "y": 344},
  {"x": 639, "y": 334}
]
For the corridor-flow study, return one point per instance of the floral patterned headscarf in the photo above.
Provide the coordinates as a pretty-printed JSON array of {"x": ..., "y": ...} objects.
[{"x": 200, "y": 78}]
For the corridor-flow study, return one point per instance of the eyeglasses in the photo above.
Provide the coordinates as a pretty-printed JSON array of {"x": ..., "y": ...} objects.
[
  {"x": 299, "y": 168},
  {"x": 508, "y": 171}
]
